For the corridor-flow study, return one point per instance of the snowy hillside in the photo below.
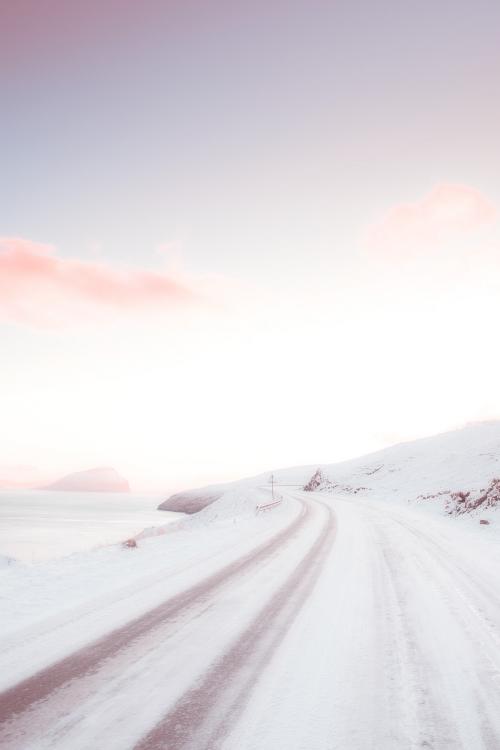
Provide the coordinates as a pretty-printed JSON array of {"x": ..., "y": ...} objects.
[
  {"x": 214, "y": 623},
  {"x": 456, "y": 472},
  {"x": 101, "y": 479}
]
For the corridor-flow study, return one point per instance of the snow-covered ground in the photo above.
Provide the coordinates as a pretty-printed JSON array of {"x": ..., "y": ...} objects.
[
  {"x": 398, "y": 647},
  {"x": 356, "y": 616},
  {"x": 434, "y": 471},
  {"x": 40, "y": 525}
]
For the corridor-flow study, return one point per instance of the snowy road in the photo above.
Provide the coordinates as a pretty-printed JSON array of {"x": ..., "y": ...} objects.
[{"x": 357, "y": 625}]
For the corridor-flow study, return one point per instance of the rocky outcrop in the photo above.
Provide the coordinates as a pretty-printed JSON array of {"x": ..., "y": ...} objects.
[
  {"x": 319, "y": 482},
  {"x": 459, "y": 502},
  {"x": 315, "y": 482},
  {"x": 466, "y": 502},
  {"x": 188, "y": 502}
]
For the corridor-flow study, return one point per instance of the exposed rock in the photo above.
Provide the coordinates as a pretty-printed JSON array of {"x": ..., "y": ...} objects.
[
  {"x": 188, "y": 502},
  {"x": 320, "y": 483},
  {"x": 317, "y": 479},
  {"x": 130, "y": 544},
  {"x": 466, "y": 502}
]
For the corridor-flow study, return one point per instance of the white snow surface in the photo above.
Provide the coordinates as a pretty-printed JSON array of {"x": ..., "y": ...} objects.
[
  {"x": 465, "y": 460},
  {"x": 395, "y": 644},
  {"x": 70, "y": 601}
]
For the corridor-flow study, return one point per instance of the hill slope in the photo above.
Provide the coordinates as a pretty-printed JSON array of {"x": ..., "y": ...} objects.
[{"x": 457, "y": 472}]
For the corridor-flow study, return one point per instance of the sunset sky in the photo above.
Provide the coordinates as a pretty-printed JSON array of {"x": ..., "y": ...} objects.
[{"x": 242, "y": 235}]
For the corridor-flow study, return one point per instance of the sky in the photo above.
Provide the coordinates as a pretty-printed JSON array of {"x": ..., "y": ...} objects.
[{"x": 237, "y": 236}]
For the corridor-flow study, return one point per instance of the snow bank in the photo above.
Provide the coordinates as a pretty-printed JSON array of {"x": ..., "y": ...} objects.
[{"x": 52, "y": 608}]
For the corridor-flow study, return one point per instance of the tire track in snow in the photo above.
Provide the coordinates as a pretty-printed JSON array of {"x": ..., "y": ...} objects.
[
  {"x": 39, "y": 687},
  {"x": 450, "y": 599},
  {"x": 202, "y": 717}
]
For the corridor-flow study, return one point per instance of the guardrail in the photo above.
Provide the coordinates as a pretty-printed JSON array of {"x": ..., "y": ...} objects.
[{"x": 268, "y": 506}]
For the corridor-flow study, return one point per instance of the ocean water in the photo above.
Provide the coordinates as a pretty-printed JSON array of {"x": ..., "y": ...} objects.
[{"x": 40, "y": 525}]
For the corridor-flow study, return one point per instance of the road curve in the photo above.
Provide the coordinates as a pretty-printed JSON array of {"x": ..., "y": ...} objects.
[
  {"x": 388, "y": 638},
  {"x": 47, "y": 695},
  {"x": 400, "y": 649},
  {"x": 202, "y": 717}
]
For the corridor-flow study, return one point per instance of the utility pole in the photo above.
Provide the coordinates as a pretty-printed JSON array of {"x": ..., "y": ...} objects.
[{"x": 272, "y": 486}]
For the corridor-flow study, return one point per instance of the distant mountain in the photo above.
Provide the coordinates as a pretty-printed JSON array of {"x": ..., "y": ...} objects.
[{"x": 101, "y": 479}]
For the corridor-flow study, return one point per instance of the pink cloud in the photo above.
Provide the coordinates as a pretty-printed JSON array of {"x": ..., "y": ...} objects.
[
  {"x": 449, "y": 213},
  {"x": 39, "y": 287}
]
